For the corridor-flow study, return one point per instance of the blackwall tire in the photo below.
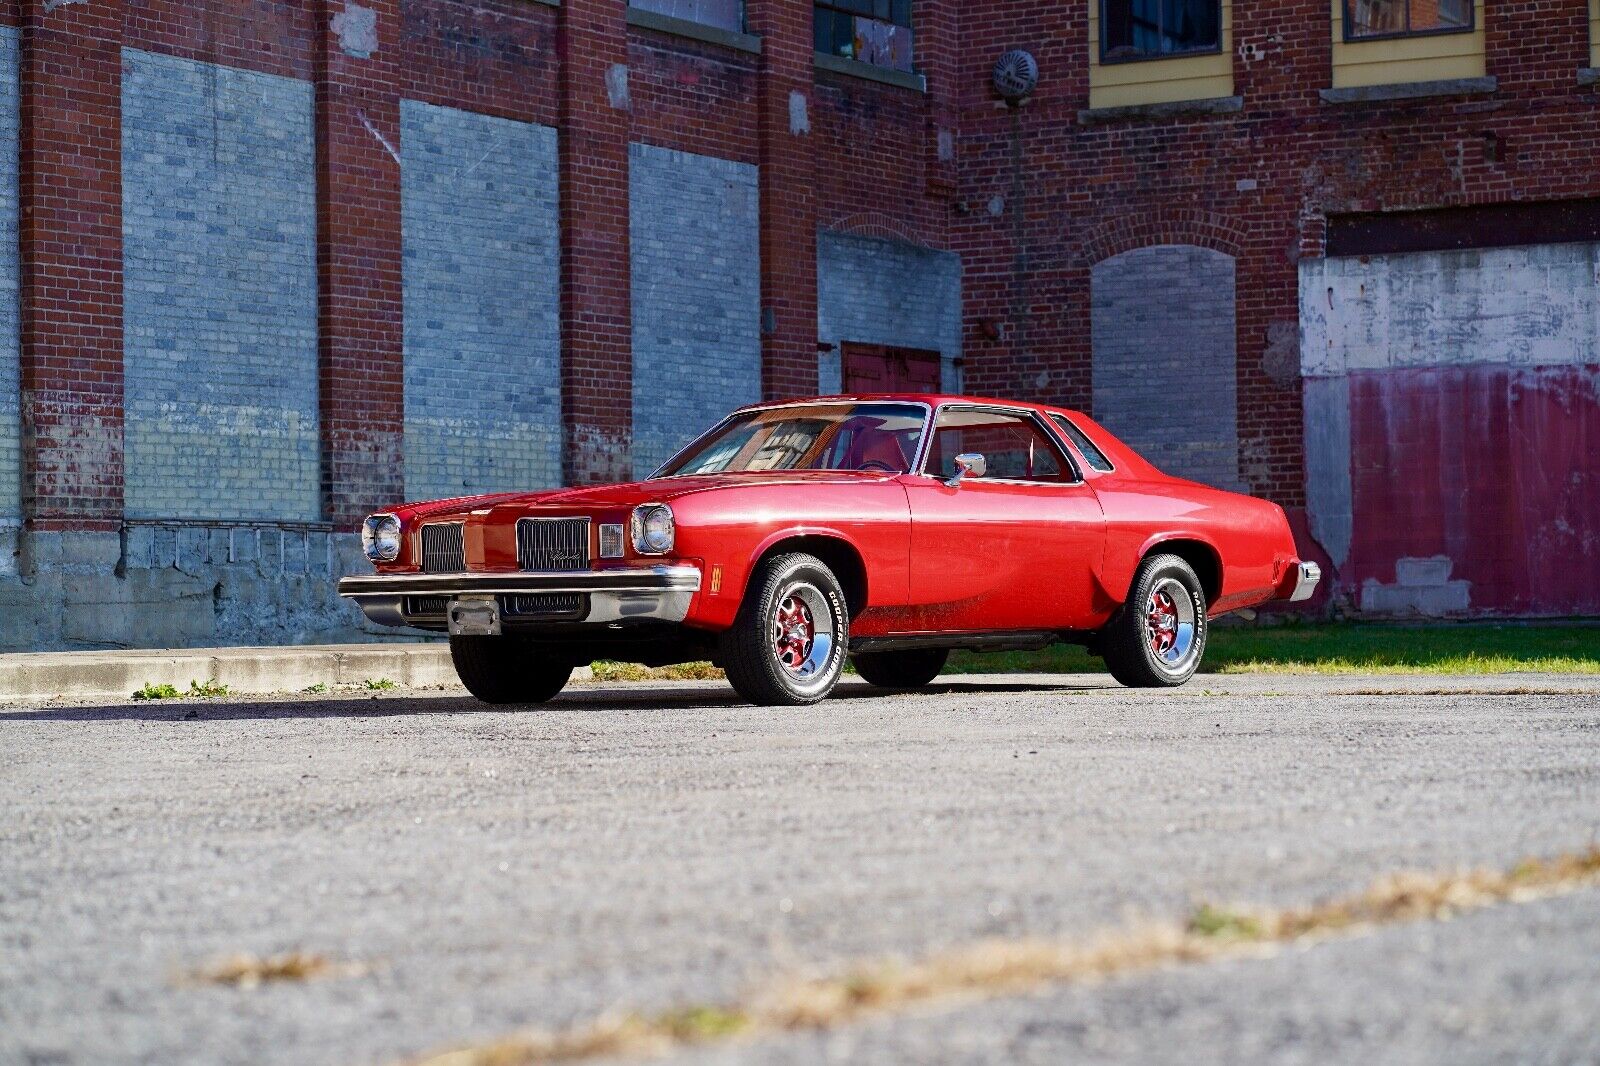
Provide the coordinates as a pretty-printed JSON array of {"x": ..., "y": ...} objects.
[
  {"x": 900, "y": 670},
  {"x": 504, "y": 670},
  {"x": 787, "y": 647},
  {"x": 1158, "y": 637}
]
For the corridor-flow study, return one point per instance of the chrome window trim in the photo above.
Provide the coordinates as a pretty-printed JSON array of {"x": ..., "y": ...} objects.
[
  {"x": 1026, "y": 414},
  {"x": 922, "y": 441},
  {"x": 1066, "y": 438}
]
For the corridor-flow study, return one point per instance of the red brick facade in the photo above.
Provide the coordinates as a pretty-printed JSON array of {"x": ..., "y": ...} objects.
[{"x": 835, "y": 151}]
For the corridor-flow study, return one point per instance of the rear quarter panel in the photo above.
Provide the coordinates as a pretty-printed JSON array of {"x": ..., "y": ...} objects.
[{"x": 1249, "y": 537}]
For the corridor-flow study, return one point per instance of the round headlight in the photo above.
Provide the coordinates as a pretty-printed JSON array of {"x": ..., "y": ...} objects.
[
  {"x": 380, "y": 538},
  {"x": 653, "y": 530}
]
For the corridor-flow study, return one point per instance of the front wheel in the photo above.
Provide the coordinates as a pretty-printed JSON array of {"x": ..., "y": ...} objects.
[
  {"x": 902, "y": 670},
  {"x": 787, "y": 646},
  {"x": 1157, "y": 638},
  {"x": 507, "y": 670}
]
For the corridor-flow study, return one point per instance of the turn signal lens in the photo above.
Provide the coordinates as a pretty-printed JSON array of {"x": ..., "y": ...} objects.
[
  {"x": 653, "y": 529},
  {"x": 380, "y": 538}
]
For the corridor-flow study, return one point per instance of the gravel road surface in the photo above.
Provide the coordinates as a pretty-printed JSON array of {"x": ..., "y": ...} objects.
[{"x": 645, "y": 846}]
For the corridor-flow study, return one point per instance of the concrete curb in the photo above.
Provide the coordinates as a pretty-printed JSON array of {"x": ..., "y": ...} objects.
[{"x": 45, "y": 675}]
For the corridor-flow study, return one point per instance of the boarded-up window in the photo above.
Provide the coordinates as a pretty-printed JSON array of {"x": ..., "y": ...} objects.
[{"x": 723, "y": 14}]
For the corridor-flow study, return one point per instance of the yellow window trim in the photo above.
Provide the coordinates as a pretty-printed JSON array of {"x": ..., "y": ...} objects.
[
  {"x": 1594, "y": 33},
  {"x": 1160, "y": 81},
  {"x": 1400, "y": 60}
]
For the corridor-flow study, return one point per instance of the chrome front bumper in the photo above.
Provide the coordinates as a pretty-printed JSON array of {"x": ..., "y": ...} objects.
[
  {"x": 1306, "y": 582},
  {"x": 643, "y": 594}
]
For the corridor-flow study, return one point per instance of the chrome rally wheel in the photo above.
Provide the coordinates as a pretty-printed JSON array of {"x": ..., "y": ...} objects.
[
  {"x": 787, "y": 646},
  {"x": 1169, "y": 623},
  {"x": 802, "y": 631},
  {"x": 1158, "y": 637}
]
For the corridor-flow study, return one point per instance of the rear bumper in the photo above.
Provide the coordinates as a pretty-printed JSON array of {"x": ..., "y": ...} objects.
[
  {"x": 1303, "y": 582},
  {"x": 604, "y": 597}
]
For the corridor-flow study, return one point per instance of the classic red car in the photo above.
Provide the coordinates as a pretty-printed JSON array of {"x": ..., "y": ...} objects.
[{"x": 886, "y": 529}]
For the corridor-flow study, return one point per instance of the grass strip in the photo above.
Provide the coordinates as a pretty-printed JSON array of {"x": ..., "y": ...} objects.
[{"x": 996, "y": 968}]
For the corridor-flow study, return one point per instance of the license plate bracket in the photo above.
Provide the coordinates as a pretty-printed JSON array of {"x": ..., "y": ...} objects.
[{"x": 474, "y": 616}]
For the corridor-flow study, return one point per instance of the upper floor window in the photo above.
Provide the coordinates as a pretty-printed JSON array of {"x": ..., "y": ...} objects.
[
  {"x": 1365, "y": 19},
  {"x": 723, "y": 14},
  {"x": 872, "y": 31},
  {"x": 1156, "y": 29}
]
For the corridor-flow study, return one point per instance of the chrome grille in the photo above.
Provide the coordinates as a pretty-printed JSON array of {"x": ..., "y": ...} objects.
[
  {"x": 443, "y": 551},
  {"x": 553, "y": 543}
]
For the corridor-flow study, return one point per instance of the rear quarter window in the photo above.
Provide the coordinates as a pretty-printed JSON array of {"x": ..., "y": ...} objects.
[{"x": 1091, "y": 453}]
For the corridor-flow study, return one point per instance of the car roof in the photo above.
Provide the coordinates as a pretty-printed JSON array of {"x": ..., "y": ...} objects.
[{"x": 932, "y": 399}]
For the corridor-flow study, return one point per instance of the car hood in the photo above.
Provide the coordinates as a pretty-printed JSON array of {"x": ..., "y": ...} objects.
[{"x": 632, "y": 494}]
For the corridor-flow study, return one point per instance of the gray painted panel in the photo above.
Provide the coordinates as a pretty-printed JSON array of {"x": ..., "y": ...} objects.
[
  {"x": 482, "y": 303},
  {"x": 696, "y": 247},
  {"x": 1165, "y": 365},
  {"x": 219, "y": 231}
]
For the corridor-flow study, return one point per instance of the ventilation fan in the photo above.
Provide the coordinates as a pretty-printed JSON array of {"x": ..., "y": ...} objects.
[{"x": 1016, "y": 74}]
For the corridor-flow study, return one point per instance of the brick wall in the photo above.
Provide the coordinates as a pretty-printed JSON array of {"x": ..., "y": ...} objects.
[
  {"x": 1164, "y": 369},
  {"x": 220, "y": 348},
  {"x": 482, "y": 303},
  {"x": 875, "y": 291},
  {"x": 696, "y": 303},
  {"x": 10, "y": 284}
]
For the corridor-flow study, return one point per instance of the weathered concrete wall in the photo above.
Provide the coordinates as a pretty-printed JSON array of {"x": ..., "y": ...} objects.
[
  {"x": 1452, "y": 409},
  {"x": 482, "y": 303},
  {"x": 696, "y": 280},
  {"x": 220, "y": 290},
  {"x": 170, "y": 585},
  {"x": 1165, "y": 367},
  {"x": 10, "y": 280},
  {"x": 874, "y": 291}
]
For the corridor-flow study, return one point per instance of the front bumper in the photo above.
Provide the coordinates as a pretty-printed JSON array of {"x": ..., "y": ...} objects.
[
  {"x": 604, "y": 597},
  {"x": 1307, "y": 578}
]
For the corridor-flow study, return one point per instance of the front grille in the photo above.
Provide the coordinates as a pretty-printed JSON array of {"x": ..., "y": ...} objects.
[
  {"x": 443, "y": 551},
  {"x": 426, "y": 606},
  {"x": 553, "y": 543},
  {"x": 543, "y": 605}
]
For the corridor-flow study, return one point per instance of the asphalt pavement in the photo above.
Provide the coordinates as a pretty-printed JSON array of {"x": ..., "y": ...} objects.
[{"x": 644, "y": 846}]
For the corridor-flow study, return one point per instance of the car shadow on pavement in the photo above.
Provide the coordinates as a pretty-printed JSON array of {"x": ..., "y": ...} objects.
[{"x": 583, "y": 699}]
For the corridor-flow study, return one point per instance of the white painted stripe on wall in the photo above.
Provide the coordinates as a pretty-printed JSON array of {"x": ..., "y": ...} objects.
[{"x": 1537, "y": 305}]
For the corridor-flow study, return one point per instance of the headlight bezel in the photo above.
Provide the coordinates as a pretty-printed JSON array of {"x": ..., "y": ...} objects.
[
  {"x": 381, "y": 537},
  {"x": 653, "y": 540}
]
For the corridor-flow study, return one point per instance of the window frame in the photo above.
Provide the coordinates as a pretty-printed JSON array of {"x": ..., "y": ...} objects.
[
  {"x": 1069, "y": 464},
  {"x": 744, "y": 17},
  {"x": 1406, "y": 34},
  {"x": 1115, "y": 61},
  {"x": 1068, "y": 428},
  {"x": 836, "y": 9}
]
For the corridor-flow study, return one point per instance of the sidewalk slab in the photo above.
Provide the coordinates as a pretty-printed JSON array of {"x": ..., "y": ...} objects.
[{"x": 45, "y": 675}]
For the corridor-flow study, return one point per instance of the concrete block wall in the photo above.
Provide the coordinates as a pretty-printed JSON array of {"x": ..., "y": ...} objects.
[
  {"x": 696, "y": 284},
  {"x": 10, "y": 281},
  {"x": 1164, "y": 362},
  {"x": 872, "y": 290},
  {"x": 220, "y": 292},
  {"x": 482, "y": 303}
]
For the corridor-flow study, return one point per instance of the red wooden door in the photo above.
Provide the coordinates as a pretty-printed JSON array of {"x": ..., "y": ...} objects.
[{"x": 874, "y": 368}]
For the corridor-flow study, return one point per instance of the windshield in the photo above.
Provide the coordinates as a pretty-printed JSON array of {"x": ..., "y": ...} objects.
[{"x": 834, "y": 436}]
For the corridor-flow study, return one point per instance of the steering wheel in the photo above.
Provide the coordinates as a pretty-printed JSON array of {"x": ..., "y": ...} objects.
[{"x": 877, "y": 464}]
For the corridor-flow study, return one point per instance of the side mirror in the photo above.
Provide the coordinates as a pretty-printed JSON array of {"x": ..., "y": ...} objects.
[{"x": 968, "y": 464}]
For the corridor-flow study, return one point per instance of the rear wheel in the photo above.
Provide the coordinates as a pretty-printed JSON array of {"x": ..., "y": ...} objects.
[
  {"x": 900, "y": 669},
  {"x": 508, "y": 670},
  {"x": 787, "y": 646},
  {"x": 1158, "y": 637}
]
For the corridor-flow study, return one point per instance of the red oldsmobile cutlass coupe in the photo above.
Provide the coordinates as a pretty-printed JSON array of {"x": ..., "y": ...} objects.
[{"x": 889, "y": 529}]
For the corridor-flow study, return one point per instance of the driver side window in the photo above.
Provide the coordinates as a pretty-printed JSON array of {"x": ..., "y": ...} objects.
[{"x": 1014, "y": 446}]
